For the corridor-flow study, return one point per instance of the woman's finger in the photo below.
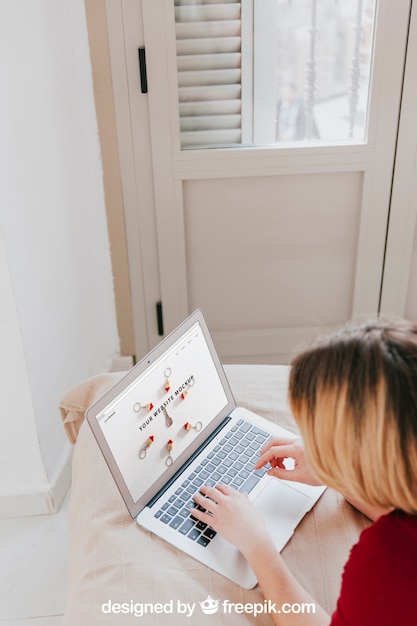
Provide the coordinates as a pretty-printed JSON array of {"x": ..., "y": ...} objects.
[
  {"x": 207, "y": 504},
  {"x": 225, "y": 489},
  {"x": 278, "y": 441},
  {"x": 213, "y": 493},
  {"x": 276, "y": 452}
]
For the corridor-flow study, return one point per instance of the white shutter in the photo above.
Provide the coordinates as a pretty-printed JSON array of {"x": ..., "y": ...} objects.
[{"x": 208, "y": 36}]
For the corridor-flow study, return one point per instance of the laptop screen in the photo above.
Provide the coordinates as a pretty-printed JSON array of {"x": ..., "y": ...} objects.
[{"x": 157, "y": 416}]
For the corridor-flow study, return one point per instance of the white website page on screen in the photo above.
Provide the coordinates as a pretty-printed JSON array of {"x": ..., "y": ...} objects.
[{"x": 154, "y": 420}]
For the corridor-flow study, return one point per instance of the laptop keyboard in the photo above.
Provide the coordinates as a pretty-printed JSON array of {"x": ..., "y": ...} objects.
[{"x": 230, "y": 462}]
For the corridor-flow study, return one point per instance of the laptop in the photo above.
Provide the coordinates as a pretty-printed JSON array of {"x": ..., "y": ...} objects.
[{"x": 171, "y": 425}]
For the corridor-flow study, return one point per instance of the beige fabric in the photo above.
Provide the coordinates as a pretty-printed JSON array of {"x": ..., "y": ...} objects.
[
  {"x": 75, "y": 402},
  {"x": 111, "y": 558}
]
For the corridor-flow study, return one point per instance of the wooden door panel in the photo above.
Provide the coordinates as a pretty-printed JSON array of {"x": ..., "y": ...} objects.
[{"x": 271, "y": 252}]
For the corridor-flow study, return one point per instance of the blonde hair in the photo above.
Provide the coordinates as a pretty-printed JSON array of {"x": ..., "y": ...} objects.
[{"x": 354, "y": 397}]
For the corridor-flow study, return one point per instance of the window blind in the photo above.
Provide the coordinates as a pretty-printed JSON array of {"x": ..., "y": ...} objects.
[{"x": 208, "y": 37}]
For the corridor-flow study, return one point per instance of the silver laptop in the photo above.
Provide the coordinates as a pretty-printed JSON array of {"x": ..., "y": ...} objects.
[{"x": 171, "y": 425}]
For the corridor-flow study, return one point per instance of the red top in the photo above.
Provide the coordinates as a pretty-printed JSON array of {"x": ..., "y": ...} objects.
[{"x": 379, "y": 584}]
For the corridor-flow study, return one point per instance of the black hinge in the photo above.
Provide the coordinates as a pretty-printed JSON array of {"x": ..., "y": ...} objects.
[
  {"x": 159, "y": 318},
  {"x": 142, "y": 70}
]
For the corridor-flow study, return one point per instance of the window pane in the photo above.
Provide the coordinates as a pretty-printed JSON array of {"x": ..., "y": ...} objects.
[
  {"x": 259, "y": 72},
  {"x": 323, "y": 69}
]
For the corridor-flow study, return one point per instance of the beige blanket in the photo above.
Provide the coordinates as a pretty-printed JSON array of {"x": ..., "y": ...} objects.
[{"x": 116, "y": 566}]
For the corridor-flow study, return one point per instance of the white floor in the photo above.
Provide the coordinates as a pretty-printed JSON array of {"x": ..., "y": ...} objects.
[{"x": 33, "y": 569}]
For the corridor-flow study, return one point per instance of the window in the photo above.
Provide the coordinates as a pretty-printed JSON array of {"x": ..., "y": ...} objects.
[{"x": 260, "y": 72}]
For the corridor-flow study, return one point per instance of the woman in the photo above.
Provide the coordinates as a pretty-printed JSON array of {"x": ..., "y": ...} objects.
[{"x": 354, "y": 398}]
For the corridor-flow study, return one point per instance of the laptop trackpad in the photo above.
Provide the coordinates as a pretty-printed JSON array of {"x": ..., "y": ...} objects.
[{"x": 282, "y": 507}]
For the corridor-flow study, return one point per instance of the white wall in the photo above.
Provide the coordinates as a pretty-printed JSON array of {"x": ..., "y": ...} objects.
[{"x": 57, "y": 312}]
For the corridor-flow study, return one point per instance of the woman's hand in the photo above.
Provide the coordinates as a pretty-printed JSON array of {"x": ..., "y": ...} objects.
[
  {"x": 277, "y": 450},
  {"x": 233, "y": 516}
]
